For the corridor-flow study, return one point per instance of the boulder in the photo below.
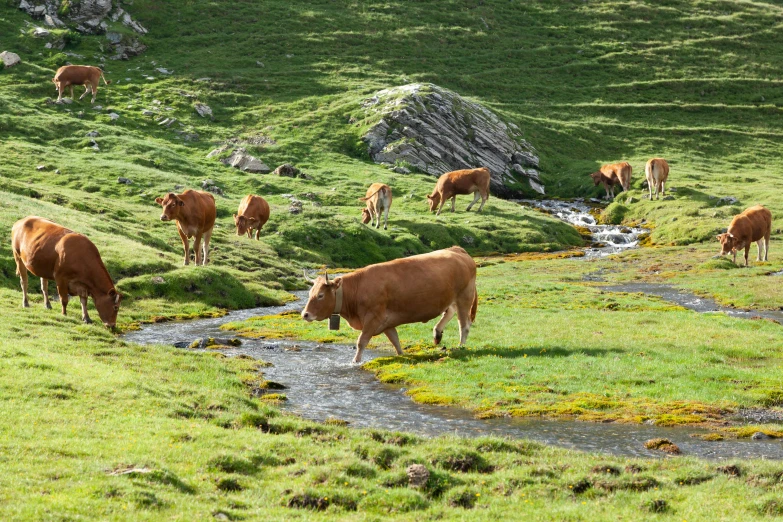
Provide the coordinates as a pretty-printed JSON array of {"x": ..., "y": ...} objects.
[
  {"x": 240, "y": 159},
  {"x": 203, "y": 110},
  {"x": 287, "y": 170},
  {"x": 40, "y": 32},
  {"x": 418, "y": 475},
  {"x": 435, "y": 130},
  {"x": 124, "y": 181},
  {"x": 9, "y": 59}
]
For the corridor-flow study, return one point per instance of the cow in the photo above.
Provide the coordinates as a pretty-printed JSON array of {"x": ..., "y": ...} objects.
[
  {"x": 379, "y": 298},
  {"x": 50, "y": 251},
  {"x": 194, "y": 211},
  {"x": 657, "y": 172},
  {"x": 611, "y": 175},
  {"x": 70, "y": 75},
  {"x": 379, "y": 201},
  {"x": 755, "y": 224},
  {"x": 452, "y": 184},
  {"x": 252, "y": 215}
]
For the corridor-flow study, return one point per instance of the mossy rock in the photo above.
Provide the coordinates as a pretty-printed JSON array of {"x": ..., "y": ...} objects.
[{"x": 613, "y": 214}]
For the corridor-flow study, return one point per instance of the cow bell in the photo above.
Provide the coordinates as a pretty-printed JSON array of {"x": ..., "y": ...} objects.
[{"x": 334, "y": 322}]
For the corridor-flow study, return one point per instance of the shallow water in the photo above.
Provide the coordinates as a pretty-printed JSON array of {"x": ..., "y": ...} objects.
[
  {"x": 323, "y": 383},
  {"x": 613, "y": 238},
  {"x": 693, "y": 301}
]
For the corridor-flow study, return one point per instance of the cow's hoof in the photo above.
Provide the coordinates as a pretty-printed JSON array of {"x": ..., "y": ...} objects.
[
  {"x": 86, "y": 320},
  {"x": 25, "y": 304},
  {"x": 48, "y": 306},
  {"x": 438, "y": 338},
  {"x": 357, "y": 360}
]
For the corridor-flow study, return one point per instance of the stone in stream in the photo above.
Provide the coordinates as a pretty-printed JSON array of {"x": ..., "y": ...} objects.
[
  {"x": 664, "y": 445},
  {"x": 435, "y": 130},
  {"x": 214, "y": 342},
  {"x": 760, "y": 436}
]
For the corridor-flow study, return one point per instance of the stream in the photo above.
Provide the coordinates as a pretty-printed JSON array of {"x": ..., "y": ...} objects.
[{"x": 322, "y": 383}]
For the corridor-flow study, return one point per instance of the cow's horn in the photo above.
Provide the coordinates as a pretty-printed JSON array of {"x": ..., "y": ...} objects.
[
  {"x": 307, "y": 277},
  {"x": 326, "y": 275}
]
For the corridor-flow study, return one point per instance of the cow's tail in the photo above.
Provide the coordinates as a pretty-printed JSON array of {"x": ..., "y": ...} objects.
[
  {"x": 374, "y": 193},
  {"x": 104, "y": 79},
  {"x": 474, "y": 306}
]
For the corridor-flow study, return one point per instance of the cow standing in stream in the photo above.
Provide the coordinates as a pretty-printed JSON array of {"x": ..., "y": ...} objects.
[
  {"x": 195, "y": 212},
  {"x": 379, "y": 298},
  {"x": 51, "y": 251}
]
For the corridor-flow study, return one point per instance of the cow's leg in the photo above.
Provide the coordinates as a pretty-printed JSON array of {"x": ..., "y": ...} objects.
[
  {"x": 22, "y": 271},
  {"x": 258, "y": 233},
  {"x": 759, "y": 245},
  {"x": 197, "y": 249},
  {"x": 454, "y": 203},
  {"x": 361, "y": 343},
  {"x": 250, "y": 233},
  {"x": 650, "y": 187},
  {"x": 662, "y": 188},
  {"x": 386, "y": 217},
  {"x": 437, "y": 332},
  {"x": 62, "y": 291},
  {"x": 95, "y": 91},
  {"x": 185, "y": 246},
  {"x": 86, "y": 90},
  {"x": 747, "y": 251},
  {"x": 45, "y": 290},
  {"x": 85, "y": 317},
  {"x": 60, "y": 90},
  {"x": 71, "y": 86},
  {"x": 463, "y": 318},
  {"x": 476, "y": 196},
  {"x": 442, "y": 202},
  {"x": 484, "y": 198},
  {"x": 734, "y": 256},
  {"x": 207, "y": 237},
  {"x": 766, "y": 247},
  {"x": 376, "y": 217},
  {"x": 391, "y": 333}
]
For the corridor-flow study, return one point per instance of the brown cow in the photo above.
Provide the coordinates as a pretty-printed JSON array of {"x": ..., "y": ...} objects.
[
  {"x": 50, "y": 251},
  {"x": 379, "y": 200},
  {"x": 253, "y": 214},
  {"x": 458, "y": 182},
  {"x": 70, "y": 75},
  {"x": 755, "y": 224},
  {"x": 379, "y": 298},
  {"x": 611, "y": 175},
  {"x": 194, "y": 211},
  {"x": 657, "y": 172}
]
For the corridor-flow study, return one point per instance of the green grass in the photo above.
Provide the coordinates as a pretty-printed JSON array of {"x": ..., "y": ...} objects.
[{"x": 588, "y": 83}]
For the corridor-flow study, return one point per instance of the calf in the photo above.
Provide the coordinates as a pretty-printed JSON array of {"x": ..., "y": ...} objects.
[
  {"x": 458, "y": 182},
  {"x": 755, "y": 224},
  {"x": 194, "y": 211},
  {"x": 253, "y": 213},
  {"x": 50, "y": 251},
  {"x": 611, "y": 175},
  {"x": 70, "y": 75},
  {"x": 657, "y": 172},
  {"x": 379, "y": 298},
  {"x": 379, "y": 200}
]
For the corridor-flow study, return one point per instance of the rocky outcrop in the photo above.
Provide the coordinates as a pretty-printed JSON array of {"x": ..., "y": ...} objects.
[
  {"x": 435, "y": 130},
  {"x": 90, "y": 17},
  {"x": 240, "y": 159},
  {"x": 9, "y": 59}
]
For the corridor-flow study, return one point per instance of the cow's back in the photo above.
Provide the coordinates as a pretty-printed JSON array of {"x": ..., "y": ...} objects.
[
  {"x": 751, "y": 225},
  {"x": 199, "y": 210},
  {"x": 77, "y": 74},
  {"x": 465, "y": 181},
  {"x": 417, "y": 288},
  {"x": 657, "y": 169},
  {"x": 38, "y": 242},
  {"x": 254, "y": 206}
]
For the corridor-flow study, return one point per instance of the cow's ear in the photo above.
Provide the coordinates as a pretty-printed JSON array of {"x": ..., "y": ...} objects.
[
  {"x": 158, "y": 200},
  {"x": 180, "y": 203},
  {"x": 337, "y": 282},
  {"x": 730, "y": 235},
  {"x": 429, "y": 197},
  {"x": 235, "y": 218},
  {"x": 718, "y": 237}
]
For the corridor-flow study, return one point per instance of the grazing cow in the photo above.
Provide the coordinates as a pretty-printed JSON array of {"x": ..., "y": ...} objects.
[
  {"x": 194, "y": 211},
  {"x": 50, "y": 251},
  {"x": 611, "y": 175},
  {"x": 253, "y": 213},
  {"x": 70, "y": 75},
  {"x": 657, "y": 172},
  {"x": 379, "y": 200},
  {"x": 755, "y": 224},
  {"x": 452, "y": 184},
  {"x": 379, "y": 298}
]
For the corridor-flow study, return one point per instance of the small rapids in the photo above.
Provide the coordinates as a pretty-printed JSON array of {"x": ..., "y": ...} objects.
[
  {"x": 607, "y": 239},
  {"x": 322, "y": 383}
]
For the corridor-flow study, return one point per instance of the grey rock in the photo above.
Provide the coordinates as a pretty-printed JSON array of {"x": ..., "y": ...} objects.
[
  {"x": 130, "y": 22},
  {"x": 57, "y": 171},
  {"x": 114, "y": 116},
  {"x": 203, "y": 110},
  {"x": 40, "y": 167},
  {"x": 728, "y": 200},
  {"x": 124, "y": 181},
  {"x": 147, "y": 112},
  {"x": 53, "y": 21},
  {"x": 113, "y": 37},
  {"x": 206, "y": 182},
  {"x": 161, "y": 70},
  {"x": 759, "y": 436},
  {"x": 401, "y": 170},
  {"x": 9, "y": 59},
  {"x": 97, "y": 107},
  {"x": 667, "y": 198},
  {"x": 436, "y": 130},
  {"x": 93, "y": 134},
  {"x": 294, "y": 210},
  {"x": 181, "y": 344},
  {"x": 240, "y": 159},
  {"x": 40, "y": 32},
  {"x": 632, "y": 200}
]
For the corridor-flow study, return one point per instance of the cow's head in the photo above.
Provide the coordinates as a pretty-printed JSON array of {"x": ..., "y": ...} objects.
[
  {"x": 323, "y": 296},
  {"x": 171, "y": 206},
  {"x": 366, "y": 216},
  {"x": 434, "y": 199},
  {"x": 728, "y": 243},
  {"x": 108, "y": 305},
  {"x": 244, "y": 224},
  {"x": 597, "y": 177}
]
